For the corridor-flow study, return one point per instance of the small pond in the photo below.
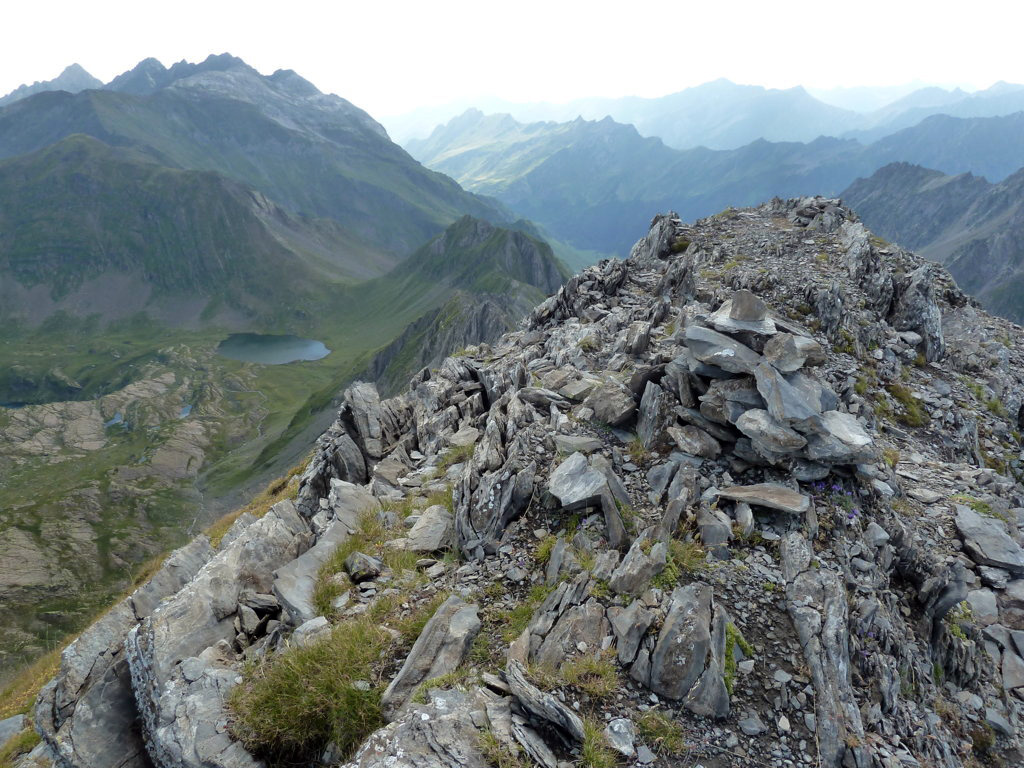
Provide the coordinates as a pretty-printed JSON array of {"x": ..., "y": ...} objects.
[{"x": 271, "y": 350}]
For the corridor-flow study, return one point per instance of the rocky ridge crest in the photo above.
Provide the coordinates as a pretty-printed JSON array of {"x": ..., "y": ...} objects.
[{"x": 763, "y": 466}]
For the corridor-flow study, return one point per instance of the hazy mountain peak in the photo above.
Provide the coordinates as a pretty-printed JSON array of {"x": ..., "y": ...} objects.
[{"x": 73, "y": 79}]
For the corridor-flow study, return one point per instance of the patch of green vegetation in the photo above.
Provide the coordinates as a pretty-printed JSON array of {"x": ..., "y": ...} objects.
[
  {"x": 457, "y": 454},
  {"x": 596, "y": 675},
  {"x": 291, "y": 704},
  {"x": 661, "y": 733},
  {"x": 733, "y": 638},
  {"x": 891, "y": 457},
  {"x": 958, "y": 617},
  {"x": 680, "y": 244},
  {"x": 519, "y": 617},
  {"x": 543, "y": 551},
  {"x": 979, "y": 506},
  {"x": 912, "y": 412},
  {"x": 19, "y": 745},
  {"x": 596, "y": 752},
  {"x": 500, "y": 755},
  {"x": 638, "y": 454}
]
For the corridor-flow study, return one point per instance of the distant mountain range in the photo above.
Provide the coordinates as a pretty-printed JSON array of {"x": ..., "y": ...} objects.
[
  {"x": 207, "y": 180},
  {"x": 724, "y": 115},
  {"x": 594, "y": 183},
  {"x": 972, "y": 226}
]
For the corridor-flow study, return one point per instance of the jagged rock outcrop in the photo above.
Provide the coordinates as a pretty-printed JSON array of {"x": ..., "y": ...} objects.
[{"x": 752, "y": 476}]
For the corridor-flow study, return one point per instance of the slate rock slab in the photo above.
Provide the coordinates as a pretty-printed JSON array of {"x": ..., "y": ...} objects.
[{"x": 987, "y": 541}]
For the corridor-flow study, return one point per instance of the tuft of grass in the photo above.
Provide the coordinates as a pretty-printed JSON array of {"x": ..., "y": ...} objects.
[
  {"x": 912, "y": 413},
  {"x": 498, "y": 754},
  {"x": 18, "y": 696},
  {"x": 457, "y": 454},
  {"x": 19, "y": 745},
  {"x": 595, "y": 751},
  {"x": 543, "y": 552},
  {"x": 455, "y": 679},
  {"x": 891, "y": 457},
  {"x": 680, "y": 244},
  {"x": 594, "y": 674},
  {"x": 519, "y": 617},
  {"x": 661, "y": 733},
  {"x": 292, "y": 703},
  {"x": 637, "y": 453},
  {"x": 280, "y": 489}
]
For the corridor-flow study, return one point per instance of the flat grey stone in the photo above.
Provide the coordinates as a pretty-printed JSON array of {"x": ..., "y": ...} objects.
[
  {"x": 577, "y": 444},
  {"x": 768, "y": 495},
  {"x": 987, "y": 541},
  {"x": 716, "y": 349},
  {"x": 621, "y": 735}
]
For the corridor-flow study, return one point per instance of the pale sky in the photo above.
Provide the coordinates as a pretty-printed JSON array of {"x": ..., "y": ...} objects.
[{"x": 390, "y": 57}]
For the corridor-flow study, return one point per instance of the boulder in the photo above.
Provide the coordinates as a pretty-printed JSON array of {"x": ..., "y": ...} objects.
[
  {"x": 916, "y": 310},
  {"x": 788, "y": 353},
  {"x": 987, "y": 541},
  {"x": 695, "y": 442},
  {"x": 439, "y": 650},
  {"x": 464, "y": 438},
  {"x": 576, "y": 484},
  {"x": 642, "y": 563},
  {"x": 545, "y": 706},
  {"x": 713, "y": 348},
  {"x": 433, "y": 531},
  {"x": 744, "y": 312},
  {"x": 439, "y": 734},
  {"x": 767, "y": 433},
  {"x": 655, "y": 416},
  {"x": 842, "y": 440},
  {"x": 363, "y": 403},
  {"x": 688, "y": 659},
  {"x": 577, "y": 444},
  {"x": 11, "y": 727},
  {"x": 784, "y": 402},
  {"x": 612, "y": 404},
  {"x": 630, "y": 624},
  {"x": 363, "y": 567}
]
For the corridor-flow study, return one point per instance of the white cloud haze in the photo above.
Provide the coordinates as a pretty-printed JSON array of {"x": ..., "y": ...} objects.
[{"x": 389, "y": 57}]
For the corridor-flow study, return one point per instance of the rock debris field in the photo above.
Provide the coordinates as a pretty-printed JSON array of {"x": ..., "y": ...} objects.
[{"x": 748, "y": 498}]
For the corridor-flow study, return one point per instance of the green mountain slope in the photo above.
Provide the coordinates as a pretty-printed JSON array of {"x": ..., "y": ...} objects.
[
  {"x": 973, "y": 227},
  {"x": 80, "y": 222},
  {"x": 312, "y": 153}
]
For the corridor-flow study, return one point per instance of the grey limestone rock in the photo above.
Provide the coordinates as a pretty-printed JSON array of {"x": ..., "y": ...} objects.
[
  {"x": 916, "y": 310},
  {"x": 688, "y": 659},
  {"x": 769, "y": 495},
  {"x": 766, "y": 432},
  {"x": 717, "y": 349},
  {"x": 438, "y": 734},
  {"x": 362, "y": 567},
  {"x": 642, "y": 563},
  {"x": 612, "y": 404},
  {"x": 576, "y": 484},
  {"x": 789, "y": 353},
  {"x": 987, "y": 541},
  {"x": 695, "y": 442},
  {"x": 433, "y": 531},
  {"x": 543, "y": 705},
  {"x": 440, "y": 649}
]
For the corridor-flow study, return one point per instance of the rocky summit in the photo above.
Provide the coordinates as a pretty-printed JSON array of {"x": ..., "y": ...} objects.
[{"x": 750, "y": 497}]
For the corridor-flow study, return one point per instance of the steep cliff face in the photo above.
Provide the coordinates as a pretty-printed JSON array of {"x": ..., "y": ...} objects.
[{"x": 751, "y": 496}]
